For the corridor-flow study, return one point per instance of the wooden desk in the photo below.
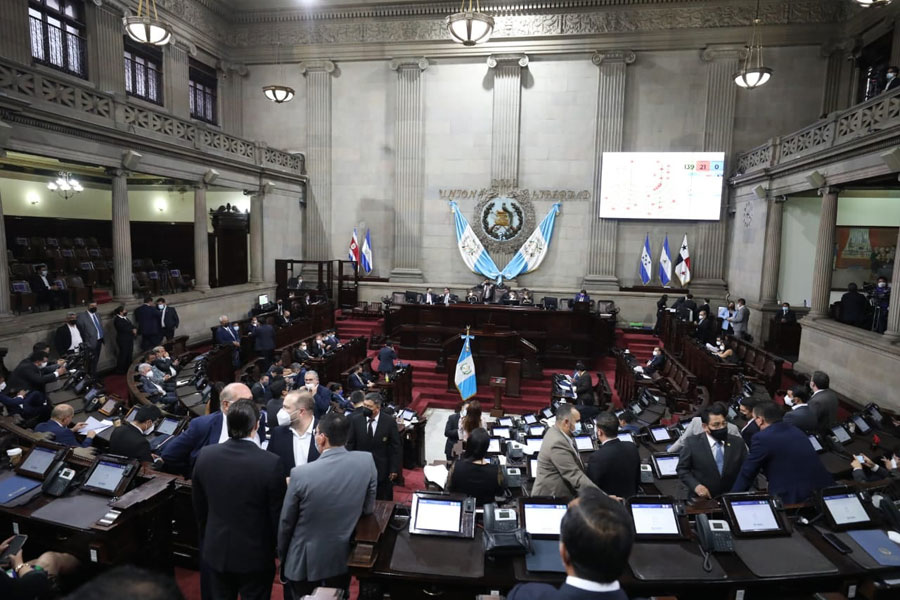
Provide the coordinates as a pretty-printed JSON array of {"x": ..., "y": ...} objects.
[
  {"x": 673, "y": 331},
  {"x": 496, "y": 353},
  {"x": 784, "y": 338},
  {"x": 711, "y": 371}
]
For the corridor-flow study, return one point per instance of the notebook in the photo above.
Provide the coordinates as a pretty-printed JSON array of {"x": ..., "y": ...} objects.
[
  {"x": 877, "y": 545},
  {"x": 13, "y": 487}
]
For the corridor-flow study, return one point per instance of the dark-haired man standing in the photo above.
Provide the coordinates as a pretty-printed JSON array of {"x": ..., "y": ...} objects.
[
  {"x": 710, "y": 462},
  {"x": 616, "y": 465}
]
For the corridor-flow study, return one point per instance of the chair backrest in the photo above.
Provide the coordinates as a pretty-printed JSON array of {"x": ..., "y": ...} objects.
[
  {"x": 175, "y": 273},
  {"x": 37, "y": 242},
  {"x": 79, "y": 242},
  {"x": 68, "y": 252},
  {"x": 60, "y": 282},
  {"x": 22, "y": 241},
  {"x": 137, "y": 263},
  {"x": 21, "y": 270},
  {"x": 75, "y": 281},
  {"x": 52, "y": 242},
  {"x": 94, "y": 252},
  {"x": 153, "y": 275},
  {"x": 606, "y": 306},
  {"x": 398, "y": 298},
  {"x": 86, "y": 266},
  {"x": 549, "y": 302}
]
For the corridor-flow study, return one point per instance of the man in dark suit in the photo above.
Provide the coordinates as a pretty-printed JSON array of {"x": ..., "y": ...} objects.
[
  {"x": 263, "y": 335},
  {"x": 58, "y": 425},
  {"x": 168, "y": 319},
  {"x": 386, "y": 358},
  {"x": 429, "y": 297},
  {"x": 294, "y": 442},
  {"x": 356, "y": 381},
  {"x": 301, "y": 353},
  {"x": 487, "y": 291},
  {"x": 228, "y": 335},
  {"x": 31, "y": 406},
  {"x": 705, "y": 308},
  {"x": 321, "y": 394},
  {"x": 164, "y": 362},
  {"x": 67, "y": 336},
  {"x": 92, "y": 333},
  {"x": 238, "y": 524},
  {"x": 656, "y": 362},
  {"x": 29, "y": 375},
  {"x": 691, "y": 305},
  {"x": 261, "y": 391},
  {"x": 148, "y": 324},
  {"x": 615, "y": 467},
  {"x": 800, "y": 414},
  {"x": 891, "y": 78},
  {"x": 854, "y": 307},
  {"x": 125, "y": 334},
  {"x": 155, "y": 392},
  {"x": 786, "y": 315},
  {"x": 447, "y": 298},
  {"x": 823, "y": 402},
  {"x": 706, "y": 328},
  {"x": 48, "y": 292},
  {"x": 451, "y": 432},
  {"x": 750, "y": 429},
  {"x": 584, "y": 386},
  {"x": 130, "y": 439},
  {"x": 595, "y": 540},
  {"x": 785, "y": 456},
  {"x": 378, "y": 434},
  {"x": 710, "y": 462},
  {"x": 284, "y": 319},
  {"x": 582, "y": 296}
]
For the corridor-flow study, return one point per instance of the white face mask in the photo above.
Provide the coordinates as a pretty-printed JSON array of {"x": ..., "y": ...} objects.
[
  {"x": 236, "y": 327},
  {"x": 311, "y": 387},
  {"x": 890, "y": 76},
  {"x": 44, "y": 273},
  {"x": 160, "y": 306},
  {"x": 882, "y": 284},
  {"x": 463, "y": 412},
  {"x": 893, "y": 463},
  {"x": 303, "y": 347},
  {"x": 788, "y": 400},
  {"x": 283, "y": 417},
  {"x": 150, "y": 430},
  {"x": 784, "y": 308},
  {"x": 2, "y": 385},
  {"x": 43, "y": 364}
]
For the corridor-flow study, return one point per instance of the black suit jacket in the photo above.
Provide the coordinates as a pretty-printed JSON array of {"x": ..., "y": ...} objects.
[
  {"x": 263, "y": 337},
  {"x": 386, "y": 358},
  {"x": 803, "y": 417},
  {"x": 786, "y": 317},
  {"x": 301, "y": 355},
  {"x": 261, "y": 395},
  {"x": 616, "y": 468},
  {"x": 451, "y": 432},
  {"x": 697, "y": 465},
  {"x": 126, "y": 440},
  {"x": 854, "y": 307},
  {"x": 748, "y": 431},
  {"x": 238, "y": 524},
  {"x": 356, "y": 382},
  {"x": 124, "y": 329},
  {"x": 62, "y": 339},
  {"x": 584, "y": 387},
  {"x": 281, "y": 443},
  {"x": 706, "y": 331},
  {"x": 385, "y": 445},
  {"x": 545, "y": 591},
  {"x": 171, "y": 319},
  {"x": 28, "y": 376},
  {"x": 656, "y": 364},
  {"x": 148, "y": 321}
]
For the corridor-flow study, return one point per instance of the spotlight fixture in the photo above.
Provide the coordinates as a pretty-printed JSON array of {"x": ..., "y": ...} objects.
[
  {"x": 470, "y": 26},
  {"x": 65, "y": 185},
  {"x": 145, "y": 29}
]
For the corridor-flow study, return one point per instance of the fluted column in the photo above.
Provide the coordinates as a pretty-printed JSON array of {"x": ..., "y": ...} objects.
[
  {"x": 821, "y": 287},
  {"x": 892, "y": 332},
  {"x": 708, "y": 253},
  {"x": 601, "y": 268},
  {"x": 409, "y": 171},
  {"x": 4, "y": 268},
  {"x": 256, "y": 233},
  {"x": 317, "y": 217},
  {"x": 201, "y": 240},
  {"x": 176, "y": 75},
  {"x": 104, "y": 24},
  {"x": 507, "y": 70},
  {"x": 121, "y": 236},
  {"x": 772, "y": 250},
  {"x": 15, "y": 38},
  {"x": 231, "y": 90}
]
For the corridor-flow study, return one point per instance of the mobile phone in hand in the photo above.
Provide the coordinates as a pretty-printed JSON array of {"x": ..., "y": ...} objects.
[{"x": 14, "y": 546}]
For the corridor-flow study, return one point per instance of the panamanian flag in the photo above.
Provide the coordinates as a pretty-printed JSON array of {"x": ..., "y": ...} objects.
[
  {"x": 683, "y": 263},
  {"x": 465, "y": 370}
]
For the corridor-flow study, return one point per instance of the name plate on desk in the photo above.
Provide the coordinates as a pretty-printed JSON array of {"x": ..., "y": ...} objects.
[{"x": 498, "y": 381}]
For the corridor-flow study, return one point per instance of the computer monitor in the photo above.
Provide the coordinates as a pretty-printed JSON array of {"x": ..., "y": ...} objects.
[
  {"x": 660, "y": 434},
  {"x": 665, "y": 465},
  {"x": 408, "y": 415},
  {"x": 530, "y": 419},
  {"x": 132, "y": 413},
  {"x": 500, "y": 432},
  {"x": 861, "y": 425},
  {"x": 584, "y": 443},
  {"x": 505, "y": 422},
  {"x": 442, "y": 515},
  {"x": 753, "y": 516},
  {"x": 263, "y": 300},
  {"x": 541, "y": 518},
  {"x": 38, "y": 462},
  {"x": 494, "y": 446},
  {"x": 841, "y": 434},
  {"x": 874, "y": 413},
  {"x": 536, "y": 430},
  {"x": 547, "y": 412},
  {"x": 110, "y": 475},
  {"x": 533, "y": 445},
  {"x": 654, "y": 517},
  {"x": 843, "y": 508},
  {"x": 168, "y": 426},
  {"x": 626, "y": 437}
]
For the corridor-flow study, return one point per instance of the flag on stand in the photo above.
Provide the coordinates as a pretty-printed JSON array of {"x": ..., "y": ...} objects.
[
  {"x": 465, "y": 370},
  {"x": 683, "y": 263},
  {"x": 646, "y": 261},
  {"x": 366, "y": 258},
  {"x": 665, "y": 265},
  {"x": 354, "y": 249}
]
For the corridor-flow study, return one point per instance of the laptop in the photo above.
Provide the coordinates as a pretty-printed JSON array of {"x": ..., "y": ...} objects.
[{"x": 541, "y": 518}]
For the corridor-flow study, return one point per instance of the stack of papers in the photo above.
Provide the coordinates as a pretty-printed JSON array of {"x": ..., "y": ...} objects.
[
  {"x": 712, "y": 348},
  {"x": 93, "y": 424},
  {"x": 436, "y": 474}
]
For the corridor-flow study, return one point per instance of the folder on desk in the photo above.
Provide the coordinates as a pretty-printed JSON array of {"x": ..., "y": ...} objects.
[
  {"x": 877, "y": 545},
  {"x": 13, "y": 487}
]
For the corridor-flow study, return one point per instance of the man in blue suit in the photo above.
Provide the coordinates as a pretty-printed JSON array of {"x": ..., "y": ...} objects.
[
  {"x": 58, "y": 425},
  {"x": 180, "y": 453},
  {"x": 595, "y": 541},
  {"x": 321, "y": 394},
  {"x": 149, "y": 325},
  {"x": 785, "y": 456},
  {"x": 226, "y": 335},
  {"x": 582, "y": 296},
  {"x": 299, "y": 409},
  {"x": 386, "y": 358}
]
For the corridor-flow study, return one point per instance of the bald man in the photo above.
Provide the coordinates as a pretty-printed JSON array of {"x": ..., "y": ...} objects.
[
  {"x": 58, "y": 425},
  {"x": 180, "y": 453}
]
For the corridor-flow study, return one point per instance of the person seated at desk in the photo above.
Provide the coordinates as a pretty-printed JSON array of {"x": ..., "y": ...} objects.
[
  {"x": 511, "y": 297},
  {"x": 786, "y": 315},
  {"x": 447, "y": 298},
  {"x": 628, "y": 423},
  {"x": 163, "y": 380},
  {"x": 164, "y": 362},
  {"x": 332, "y": 342},
  {"x": 154, "y": 391},
  {"x": 317, "y": 348},
  {"x": 130, "y": 439},
  {"x": 869, "y": 470},
  {"x": 706, "y": 328},
  {"x": 750, "y": 429},
  {"x": 30, "y": 405},
  {"x": 30, "y": 374},
  {"x": 527, "y": 297},
  {"x": 800, "y": 414},
  {"x": 615, "y": 467},
  {"x": 301, "y": 353},
  {"x": 582, "y": 296},
  {"x": 472, "y": 475},
  {"x": 595, "y": 541},
  {"x": 58, "y": 425},
  {"x": 337, "y": 396},
  {"x": 560, "y": 471},
  {"x": 655, "y": 363},
  {"x": 854, "y": 307},
  {"x": 33, "y": 580},
  {"x": 784, "y": 455},
  {"x": 723, "y": 351},
  {"x": 356, "y": 381},
  {"x": 710, "y": 462},
  {"x": 429, "y": 298}
]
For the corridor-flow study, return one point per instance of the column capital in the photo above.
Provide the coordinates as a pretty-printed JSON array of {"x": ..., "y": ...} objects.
[
  {"x": 828, "y": 189},
  {"x": 779, "y": 199},
  {"x": 411, "y": 62},
  {"x": 228, "y": 69},
  {"x": 723, "y": 52},
  {"x": 309, "y": 66},
  {"x": 118, "y": 172},
  {"x": 613, "y": 56},
  {"x": 495, "y": 60}
]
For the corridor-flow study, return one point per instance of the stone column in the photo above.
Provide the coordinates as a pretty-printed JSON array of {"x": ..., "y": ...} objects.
[
  {"x": 834, "y": 94},
  {"x": 231, "y": 92},
  {"x": 4, "y": 269},
  {"x": 409, "y": 171},
  {"x": 15, "y": 36},
  {"x": 507, "y": 110},
  {"x": 105, "y": 40},
  {"x": 892, "y": 332},
  {"x": 608, "y": 138},
  {"x": 772, "y": 250},
  {"x": 201, "y": 239},
  {"x": 121, "y": 237},
  {"x": 708, "y": 248},
  {"x": 821, "y": 288},
  {"x": 317, "y": 218},
  {"x": 176, "y": 75},
  {"x": 256, "y": 233}
]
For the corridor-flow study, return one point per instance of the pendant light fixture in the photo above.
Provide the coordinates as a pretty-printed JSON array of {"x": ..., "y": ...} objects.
[
  {"x": 754, "y": 73},
  {"x": 65, "y": 185},
  {"x": 279, "y": 94},
  {"x": 145, "y": 29},
  {"x": 470, "y": 26},
  {"x": 873, "y": 3}
]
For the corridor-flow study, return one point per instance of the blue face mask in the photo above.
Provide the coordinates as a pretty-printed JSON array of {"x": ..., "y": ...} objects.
[{"x": 577, "y": 430}]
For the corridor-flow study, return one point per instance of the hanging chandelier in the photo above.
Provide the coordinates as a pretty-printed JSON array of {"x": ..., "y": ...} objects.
[
  {"x": 470, "y": 26},
  {"x": 754, "y": 73},
  {"x": 145, "y": 29},
  {"x": 65, "y": 185},
  {"x": 279, "y": 93},
  {"x": 873, "y": 3}
]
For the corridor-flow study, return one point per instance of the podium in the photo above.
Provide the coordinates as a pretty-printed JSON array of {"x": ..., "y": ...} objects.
[{"x": 499, "y": 384}]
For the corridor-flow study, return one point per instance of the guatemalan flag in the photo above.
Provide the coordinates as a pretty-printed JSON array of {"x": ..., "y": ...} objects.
[
  {"x": 683, "y": 263},
  {"x": 646, "y": 261},
  {"x": 471, "y": 249},
  {"x": 465, "y": 370},
  {"x": 533, "y": 251},
  {"x": 366, "y": 257},
  {"x": 665, "y": 265},
  {"x": 353, "y": 253}
]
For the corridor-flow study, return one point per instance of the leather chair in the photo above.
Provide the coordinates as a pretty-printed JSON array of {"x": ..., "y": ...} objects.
[{"x": 81, "y": 293}]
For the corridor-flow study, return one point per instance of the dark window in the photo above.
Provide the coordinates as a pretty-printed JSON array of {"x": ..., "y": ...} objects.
[
  {"x": 203, "y": 87},
  {"x": 143, "y": 72},
  {"x": 58, "y": 35},
  {"x": 873, "y": 62}
]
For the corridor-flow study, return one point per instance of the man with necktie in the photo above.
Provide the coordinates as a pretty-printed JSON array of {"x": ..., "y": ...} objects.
[
  {"x": 375, "y": 431},
  {"x": 92, "y": 333},
  {"x": 226, "y": 335},
  {"x": 168, "y": 319},
  {"x": 711, "y": 461}
]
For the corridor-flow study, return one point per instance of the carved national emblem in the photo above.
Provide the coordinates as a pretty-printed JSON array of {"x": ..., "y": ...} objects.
[{"x": 504, "y": 218}]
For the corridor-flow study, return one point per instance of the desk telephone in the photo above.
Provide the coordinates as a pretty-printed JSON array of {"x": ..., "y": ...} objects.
[
  {"x": 499, "y": 520},
  {"x": 714, "y": 535},
  {"x": 646, "y": 473},
  {"x": 59, "y": 480},
  {"x": 513, "y": 476}
]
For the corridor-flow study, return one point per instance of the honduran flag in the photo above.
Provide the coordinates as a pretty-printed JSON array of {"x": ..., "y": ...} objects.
[{"x": 646, "y": 262}]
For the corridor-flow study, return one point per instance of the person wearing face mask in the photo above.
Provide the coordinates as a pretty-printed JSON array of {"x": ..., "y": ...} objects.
[
  {"x": 615, "y": 467},
  {"x": 168, "y": 319},
  {"x": 321, "y": 394},
  {"x": 724, "y": 352},
  {"x": 376, "y": 432},
  {"x": 706, "y": 328},
  {"x": 28, "y": 376},
  {"x": 784, "y": 455},
  {"x": 709, "y": 463},
  {"x": 149, "y": 325},
  {"x": 92, "y": 333},
  {"x": 655, "y": 363},
  {"x": 154, "y": 391},
  {"x": 891, "y": 80},
  {"x": 881, "y": 298},
  {"x": 302, "y": 352},
  {"x": 560, "y": 471},
  {"x": 800, "y": 414},
  {"x": 228, "y": 335},
  {"x": 67, "y": 337},
  {"x": 47, "y": 291},
  {"x": 292, "y": 439},
  {"x": 786, "y": 315},
  {"x": 125, "y": 334},
  {"x": 131, "y": 439}
]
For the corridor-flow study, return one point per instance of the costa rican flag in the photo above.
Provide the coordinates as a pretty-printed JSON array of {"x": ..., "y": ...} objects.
[{"x": 353, "y": 254}]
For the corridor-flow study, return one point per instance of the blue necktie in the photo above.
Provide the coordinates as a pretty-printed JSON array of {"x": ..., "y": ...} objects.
[
  {"x": 97, "y": 325},
  {"x": 720, "y": 457}
]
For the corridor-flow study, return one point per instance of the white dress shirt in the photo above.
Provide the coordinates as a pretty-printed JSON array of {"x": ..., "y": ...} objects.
[
  {"x": 592, "y": 586},
  {"x": 301, "y": 445},
  {"x": 75, "y": 335}
]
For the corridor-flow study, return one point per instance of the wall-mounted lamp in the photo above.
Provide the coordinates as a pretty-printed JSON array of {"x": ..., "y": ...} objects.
[
  {"x": 161, "y": 204},
  {"x": 33, "y": 198}
]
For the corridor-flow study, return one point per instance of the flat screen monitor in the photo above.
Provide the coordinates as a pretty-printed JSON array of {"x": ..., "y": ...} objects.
[
  {"x": 817, "y": 446},
  {"x": 665, "y": 465},
  {"x": 37, "y": 463},
  {"x": 542, "y": 518},
  {"x": 436, "y": 515},
  {"x": 654, "y": 518},
  {"x": 168, "y": 426},
  {"x": 547, "y": 412},
  {"x": 584, "y": 443},
  {"x": 500, "y": 432},
  {"x": 109, "y": 477},
  {"x": 536, "y": 430},
  {"x": 533, "y": 445},
  {"x": 532, "y": 464},
  {"x": 873, "y": 412},
  {"x": 861, "y": 425},
  {"x": 408, "y": 415},
  {"x": 844, "y": 509},
  {"x": 505, "y": 422},
  {"x": 662, "y": 185},
  {"x": 131, "y": 414},
  {"x": 494, "y": 446},
  {"x": 530, "y": 419},
  {"x": 660, "y": 435},
  {"x": 263, "y": 300},
  {"x": 626, "y": 437},
  {"x": 841, "y": 434},
  {"x": 753, "y": 516}
]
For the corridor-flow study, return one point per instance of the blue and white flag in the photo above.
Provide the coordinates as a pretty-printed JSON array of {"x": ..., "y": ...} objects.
[
  {"x": 646, "y": 261},
  {"x": 366, "y": 257},
  {"x": 665, "y": 265},
  {"x": 465, "y": 370},
  {"x": 471, "y": 249},
  {"x": 533, "y": 251}
]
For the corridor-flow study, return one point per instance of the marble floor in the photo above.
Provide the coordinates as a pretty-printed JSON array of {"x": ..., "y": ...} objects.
[{"x": 434, "y": 433}]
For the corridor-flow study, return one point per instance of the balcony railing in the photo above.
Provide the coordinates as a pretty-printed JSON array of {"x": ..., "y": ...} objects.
[
  {"x": 102, "y": 109},
  {"x": 865, "y": 119}
]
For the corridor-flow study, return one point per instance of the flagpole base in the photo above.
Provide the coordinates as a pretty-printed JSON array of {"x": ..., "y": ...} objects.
[
  {"x": 604, "y": 283},
  {"x": 407, "y": 276}
]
